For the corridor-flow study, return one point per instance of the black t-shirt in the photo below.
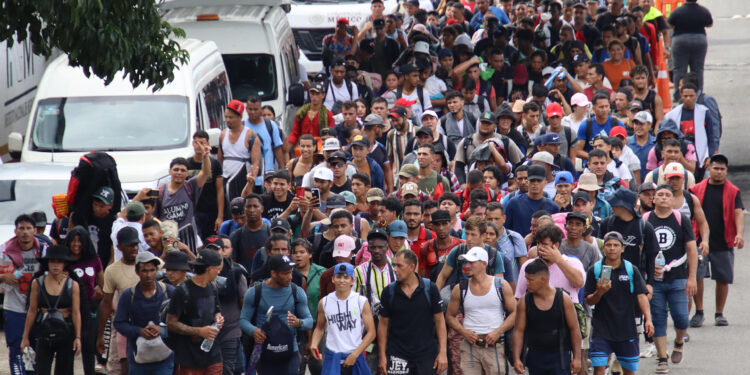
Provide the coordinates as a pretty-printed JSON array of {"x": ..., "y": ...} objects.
[
  {"x": 640, "y": 246},
  {"x": 672, "y": 238},
  {"x": 347, "y": 186},
  {"x": 690, "y": 18},
  {"x": 197, "y": 309},
  {"x": 207, "y": 199},
  {"x": 614, "y": 315},
  {"x": 100, "y": 230},
  {"x": 408, "y": 315},
  {"x": 246, "y": 242},
  {"x": 272, "y": 207},
  {"x": 713, "y": 208}
]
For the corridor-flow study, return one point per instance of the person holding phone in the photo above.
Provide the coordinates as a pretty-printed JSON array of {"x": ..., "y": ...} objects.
[{"x": 613, "y": 321}]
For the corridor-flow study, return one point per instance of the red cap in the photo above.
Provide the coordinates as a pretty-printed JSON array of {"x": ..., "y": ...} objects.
[
  {"x": 451, "y": 21},
  {"x": 618, "y": 131},
  {"x": 405, "y": 102},
  {"x": 342, "y": 20},
  {"x": 236, "y": 106},
  {"x": 554, "y": 109}
]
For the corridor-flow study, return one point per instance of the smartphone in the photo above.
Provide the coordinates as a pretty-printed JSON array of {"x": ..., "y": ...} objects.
[
  {"x": 606, "y": 273},
  {"x": 316, "y": 354},
  {"x": 154, "y": 194},
  {"x": 300, "y": 190},
  {"x": 316, "y": 196}
]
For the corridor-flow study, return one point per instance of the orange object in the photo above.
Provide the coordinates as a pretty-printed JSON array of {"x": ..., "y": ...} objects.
[
  {"x": 663, "y": 84},
  {"x": 667, "y": 6},
  {"x": 60, "y": 205}
]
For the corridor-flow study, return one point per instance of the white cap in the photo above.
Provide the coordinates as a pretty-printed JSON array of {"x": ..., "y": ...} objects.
[
  {"x": 643, "y": 117},
  {"x": 475, "y": 254},
  {"x": 544, "y": 157},
  {"x": 429, "y": 112},
  {"x": 580, "y": 99},
  {"x": 548, "y": 70},
  {"x": 323, "y": 174},
  {"x": 331, "y": 144}
]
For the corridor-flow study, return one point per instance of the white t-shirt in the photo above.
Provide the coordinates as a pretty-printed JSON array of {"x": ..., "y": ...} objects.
[
  {"x": 417, "y": 106},
  {"x": 344, "y": 322},
  {"x": 340, "y": 94},
  {"x": 629, "y": 158}
]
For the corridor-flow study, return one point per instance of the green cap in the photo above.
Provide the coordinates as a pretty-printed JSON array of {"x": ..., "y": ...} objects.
[{"x": 105, "y": 194}]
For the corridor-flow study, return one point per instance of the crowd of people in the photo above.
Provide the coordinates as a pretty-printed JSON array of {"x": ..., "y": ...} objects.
[{"x": 475, "y": 187}]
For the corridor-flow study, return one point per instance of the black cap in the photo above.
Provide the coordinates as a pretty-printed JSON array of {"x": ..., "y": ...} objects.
[
  {"x": 281, "y": 223},
  {"x": 207, "y": 257},
  {"x": 335, "y": 201},
  {"x": 576, "y": 215},
  {"x": 337, "y": 155},
  {"x": 280, "y": 263},
  {"x": 537, "y": 172},
  {"x": 397, "y": 111},
  {"x": 488, "y": 117},
  {"x": 378, "y": 23},
  {"x": 40, "y": 219},
  {"x": 176, "y": 260},
  {"x": 237, "y": 205},
  {"x": 646, "y": 186},
  {"x": 214, "y": 242},
  {"x": 580, "y": 58},
  {"x": 377, "y": 233},
  {"x": 440, "y": 216},
  {"x": 361, "y": 140},
  {"x": 409, "y": 68},
  {"x": 318, "y": 86},
  {"x": 581, "y": 195},
  {"x": 128, "y": 236},
  {"x": 424, "y": 130}
]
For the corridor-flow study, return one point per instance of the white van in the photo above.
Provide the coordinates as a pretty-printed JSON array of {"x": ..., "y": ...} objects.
[
  {"x": 255, "y": 41},
  {"x": 143, "y": 130}
]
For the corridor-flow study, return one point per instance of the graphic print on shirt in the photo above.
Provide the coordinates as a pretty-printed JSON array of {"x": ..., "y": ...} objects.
[
  {"x": 344, "y": 321},
  {"x": 177, "y": 212},
  {"x": 666, "y": 237}
]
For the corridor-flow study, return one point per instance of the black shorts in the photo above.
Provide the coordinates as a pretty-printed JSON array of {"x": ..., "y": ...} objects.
[
  {"x": 402, "y": 366},
  {"x": 722, "y": 266}
]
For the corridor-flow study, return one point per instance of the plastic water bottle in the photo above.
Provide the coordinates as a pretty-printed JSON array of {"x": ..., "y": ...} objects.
[
  {"x": 660, "y": 261},
  {"x": 207, "y": 344}
]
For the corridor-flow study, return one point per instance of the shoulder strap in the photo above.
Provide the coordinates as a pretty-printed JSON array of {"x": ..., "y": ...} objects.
[
  {"x": 269, "y": 128},
  {"x": 294, "y": 297},
  {"x": 568, "y": 136},
  {"x": 258, "y": 287},
  {"x": 642, "y": 228},
  {"x": 655, "y": 176},
  {"x": 689, "y": 200},
  {"x": 391, "y": 293},
  {"x": 426, "y": 283},
  {"x": 589, "y": 128},
  {"x": 420, "y": 96},
  {"x": 646, "y": 215},
  {"x": 463, "y": 288},
  {"x": 629, "y": 271},
  {"x": 349, "y": 88},
  {"x": 399, "y": 93},
  {"x": 500, "y": 293}
]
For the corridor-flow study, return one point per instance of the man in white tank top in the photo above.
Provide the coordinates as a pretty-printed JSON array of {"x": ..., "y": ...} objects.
[
  {"x": 344, "y": 314},
  {"x": 487, "y": 316},
  {"x": 235, "y": 150}
]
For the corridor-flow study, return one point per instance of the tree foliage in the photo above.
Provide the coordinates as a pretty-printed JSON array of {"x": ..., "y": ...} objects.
[{"x": 101, "y": 36}]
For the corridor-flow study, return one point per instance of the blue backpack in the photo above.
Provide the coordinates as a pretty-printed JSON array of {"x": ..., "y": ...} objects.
[{"x": 628, "y": 269}]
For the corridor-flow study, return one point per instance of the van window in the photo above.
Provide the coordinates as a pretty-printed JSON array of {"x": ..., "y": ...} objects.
[
  {"x": 216, "y": 95},
  {"x": 251, "y": 74},
  {"x": 111, "y": 123},
  {"x": 198, "y": 114}
]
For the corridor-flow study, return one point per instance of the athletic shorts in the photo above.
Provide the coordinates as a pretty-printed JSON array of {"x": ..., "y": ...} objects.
[
  {"x": 627, "y": 352},
  {"x": 722, "y": 266}
]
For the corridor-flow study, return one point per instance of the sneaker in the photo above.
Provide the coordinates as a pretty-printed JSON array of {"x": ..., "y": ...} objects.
[
  {"x": 677, "y": 354},
  {"x": 721, "y": 321},
  {"x": 697, "y": 320},
  {"x": 663, "y": 366},
  {"x": 650, "y": 352},
  {"x": 687, "y": 337}
]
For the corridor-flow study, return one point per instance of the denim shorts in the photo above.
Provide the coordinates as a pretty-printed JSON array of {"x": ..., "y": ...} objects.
[{"x": 670, "y": 293}]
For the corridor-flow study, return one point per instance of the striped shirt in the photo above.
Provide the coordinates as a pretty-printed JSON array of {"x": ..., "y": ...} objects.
[{"x": 378, "y": 279}]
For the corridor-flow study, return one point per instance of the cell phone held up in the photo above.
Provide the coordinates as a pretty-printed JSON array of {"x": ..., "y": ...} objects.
[
  {"x": 300, "y": 192},
  {"x": 154, "y": 194},
  {"x": 316, "y": 196},
  {"x": 606, "y": 273}
]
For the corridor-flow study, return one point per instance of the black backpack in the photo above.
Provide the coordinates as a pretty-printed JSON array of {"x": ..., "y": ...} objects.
[
  {"x": 460, "y": 249},
  {"x": 94, "y": 170},
  {"x": 248, "y": 341},
  {"x": 53, "y": 328},
  {"x": 463, "y": 287}
]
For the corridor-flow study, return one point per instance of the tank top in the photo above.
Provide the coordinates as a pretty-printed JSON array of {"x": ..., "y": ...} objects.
[
  {"x": 344, "y": 322},
  {"x": 685, "y": 208},
  {"x": 544, "y": 327},
  {"x": 66, "y": 298},
  {"x": 483, "y": 314},
  {"x": 235, "y": 154}
]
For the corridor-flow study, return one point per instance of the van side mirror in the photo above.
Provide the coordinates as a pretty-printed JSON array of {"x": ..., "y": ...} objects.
[
  {"x": 15, "y": 145},
  {"x": 213, "y": 136},
  {"x": 296, "y": 95}
]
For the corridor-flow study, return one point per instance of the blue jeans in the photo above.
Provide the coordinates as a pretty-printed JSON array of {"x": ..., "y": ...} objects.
[
  {"x": 165, "y": 367},
  {"x": 14, "y": 326},
  {"x": 688, "y": 50},
  {"x": 669, "y": 295}
]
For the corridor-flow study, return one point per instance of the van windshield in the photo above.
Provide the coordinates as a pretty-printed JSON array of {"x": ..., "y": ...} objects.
[
  {"x": 111, "y": 123},
  {"x": 251, "y": 74}
]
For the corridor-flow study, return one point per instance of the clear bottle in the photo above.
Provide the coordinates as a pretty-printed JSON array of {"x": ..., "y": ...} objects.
[
  {"x": 207, "y": 344},
  {"x": 660, "y": 261}
]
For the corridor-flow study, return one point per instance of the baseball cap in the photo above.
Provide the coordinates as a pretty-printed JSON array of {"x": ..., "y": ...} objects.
[
  {"x": 554, "y": 109},
  {"x": 40, "y": 219},
  {"x": 398, "y": 229},
  {"x": 674, "y": 169},
  {"x": 548, "y": 70},
  {"x": 317, "y": 87},
  {"x": 618, "y": 131},
  {"x": 105, "y": 194},
  {"x": 550, "y": 139},
  {"x": 579, "y": 5},
  {"x": 236, "y": 106},
  {"x": 623, "y": 198},
  {"x": 378, "y": 23},
  {"x": 280, "y": 223},
  {"x": 408, "y": 68},
  {"x": 475, "y": 254},
  {"x": 721, "y": 158},
  {"x": 410, "y": 188},
  {"x": 343, "y": 246},
  {"x": 360, "y": 140},
  {"x": 397, "y": 111},
  {"x": 564, "y": 177},
  {"x": 323, "y": 174},
  {"x": 429, "y": 112},
  {"x": 337, "y": 155},
  {"x": 643, "y": 117},
  {"x": 403, "y": 102},
  {"x": 349, "y": 197},
  {"x": 207, "y": 257},
  {"x": 576, "y": 215},
  {"x": 280, "y": 263},
  {"x": 128, "y": 236},
  {"x": 335, "y": 201},
  {"x": 581, "y": 195},
  {"x": 377, "y": 233},
  {"x": 344, "y": 269},
  {"x": 440, "y": 216},
  {"x": 135, "y": 208},
  {"x": 544, "y": 157},
  {"x": 588, "y": 182},
  {"x": 147, "y": 257},
  {"x": 646, "y": 186},
  {"x": 342, "y": 20},
  {"x": 613, "y": 236},
  {"x": 237, "y": 205},
  {"x": 409, "y": 170},
  {"x": 331, "y": 144},
  {"x": 373, "y": 119},
  {"x": 580, "y": 58},
  {"x": 374, "y": 194},
  {"x": 175, "y": 260},
  {"x": 488, "y": 117},
  {"x": 537, "y": 172},
  {"x": 425, "y": 130},
  {"x": 636, "y": 105},
  {"x": 445, "y": 52},
  {"x": 580, "y": 99}
]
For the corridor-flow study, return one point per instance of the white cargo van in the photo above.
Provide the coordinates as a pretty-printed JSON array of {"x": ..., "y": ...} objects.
[
  {"x": 143, "y": 130},
  {"x": 255, "y": 41}
]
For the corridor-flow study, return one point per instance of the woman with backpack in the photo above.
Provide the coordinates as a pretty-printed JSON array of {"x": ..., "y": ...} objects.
[
  {"x": 87, "y": 266},
  {"x": 55, "y": 300}
]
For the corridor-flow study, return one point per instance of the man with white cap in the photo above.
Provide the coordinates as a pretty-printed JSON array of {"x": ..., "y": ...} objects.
[
  {"x": 488, "y": 307},
  {"x": 322, "y": 180},
  {"x": 546, "y": 160},
  {"x": 642, "y": 141},
  {"x": 330, "y": 146}
]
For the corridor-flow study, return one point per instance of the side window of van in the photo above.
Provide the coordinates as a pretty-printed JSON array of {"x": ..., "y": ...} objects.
[
  {"x": 216, "y": 94},
  {"x": 198, "y": 114}
]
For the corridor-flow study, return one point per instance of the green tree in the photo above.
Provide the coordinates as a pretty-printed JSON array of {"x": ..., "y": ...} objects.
[{"x": 101, "y": 36}]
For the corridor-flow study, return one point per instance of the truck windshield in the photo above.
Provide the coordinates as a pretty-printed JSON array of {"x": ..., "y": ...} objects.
[
  {"x": 111, "y": 123},
  {"x": 251, "y": 74}
]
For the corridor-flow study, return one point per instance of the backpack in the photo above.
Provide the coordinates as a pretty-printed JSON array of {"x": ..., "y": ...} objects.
[
  {"x": 469, "y": 141},
  {"x": 53, "y": 328},
  {"x": 276, "y": 350},
  {"x": 94, "y": 170},
  {"x": 392, "y": 291},
  {"x": 628, "y": 270},
  {"x": 655, "y": 179},
  {"x": 420, "y": 94},
  {"x": 460, "y": 249},
  {"x": 463, "y": 286}
]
